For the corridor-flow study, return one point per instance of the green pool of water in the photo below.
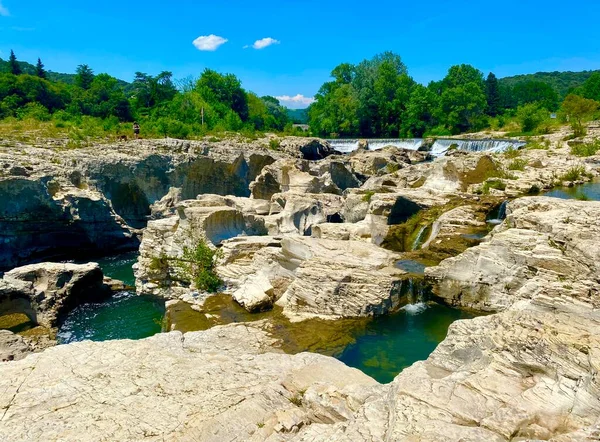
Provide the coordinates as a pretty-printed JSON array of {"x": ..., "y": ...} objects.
[
  {"x": 588, "y": 191},
  {"x": 123, "y": 316},
  {"x": 389, "y": 344}
]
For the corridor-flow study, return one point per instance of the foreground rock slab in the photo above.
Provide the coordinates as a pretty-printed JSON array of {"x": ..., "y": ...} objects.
[{"x": 173, "y": 387}]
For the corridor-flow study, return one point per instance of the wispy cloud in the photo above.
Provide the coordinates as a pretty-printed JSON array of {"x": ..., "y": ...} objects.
[
  {"x": 265, "y": 42},
  {"x": 209, "y": 42},
  {"x": 3, "y": 11},
  {"x": 296, "y": 101}
]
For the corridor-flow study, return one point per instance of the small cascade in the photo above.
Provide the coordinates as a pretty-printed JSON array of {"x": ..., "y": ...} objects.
[
  {"x": 347, "y": 146},
  {"x": 417, "y": 243},
  {"x": 441, "y": 146},
  {"x": 501, "y": 215},
  {"x": 416, "y": 295}
]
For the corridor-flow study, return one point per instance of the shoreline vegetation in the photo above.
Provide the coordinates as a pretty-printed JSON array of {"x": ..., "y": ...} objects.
[{"x": 373, "y": 99}]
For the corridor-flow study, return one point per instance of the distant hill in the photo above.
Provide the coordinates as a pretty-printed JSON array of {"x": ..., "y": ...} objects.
[
  {"x": 28, "y": 68},
  {"x": 562, "y": 82},
  {"x": 298, "y": 116}
]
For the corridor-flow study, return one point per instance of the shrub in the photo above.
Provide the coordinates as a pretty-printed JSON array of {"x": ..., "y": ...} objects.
[
  {"x": 574, "y": 174},
  {"x": 585, "y": 149},
  {"x": 530, "y": 116},
  {"x": 518, "y": 164},
  {"x": 511, "y": 152},
  {"x": 197, "y": 266},
  {"x": 493, "y": 184},
  {"x": 274, "y": 144}
]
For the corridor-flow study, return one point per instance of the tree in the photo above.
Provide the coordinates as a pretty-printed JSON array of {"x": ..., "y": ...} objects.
[
  {"x": 533, "y": 91},
  {"x": 84, "y": 76},
  {"x": 420, "y": 112},
  {"x": 530, "y": 116},
  {"x": 579, "y": 109},
  {"x": 492, "y": 92},
  {"x": 462, "y": 98},
  {"x": 224, "y": 92},
  {"x": 39, "y": 69},
  {"x": 13, "y": 64},
  {"x": 591, "y": 88}
]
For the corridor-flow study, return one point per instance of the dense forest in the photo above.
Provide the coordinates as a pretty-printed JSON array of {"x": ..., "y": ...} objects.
[
  {"x": 378, "y": 98},
  {"x": 192, "y": 107},
  {"x": 375, "y": 98}
]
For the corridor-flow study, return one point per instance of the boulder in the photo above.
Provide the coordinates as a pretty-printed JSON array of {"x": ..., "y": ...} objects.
[
  {"x": 306, "y": 148},
  {"x": 12, "y": 346},
  {"x": 54, "y": 289},
  {"x": 544, "y": 244}
]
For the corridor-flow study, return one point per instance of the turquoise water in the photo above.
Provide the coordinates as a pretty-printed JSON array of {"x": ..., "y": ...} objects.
[
  {"x": 590, "y": 191},
  {"x": 123, "y": 316},
  {"x": 391, "y": 343}
]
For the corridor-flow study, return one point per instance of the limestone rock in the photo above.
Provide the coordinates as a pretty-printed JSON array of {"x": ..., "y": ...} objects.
[
  {"x": 12, "y": 347},
  {"x": 54, "y": 289},
  {"x": 544, "y": 244},
  {"x": 306, "y": 148},
  {"x": 255, "y": 294},
  {"x": 209, "y": 386}
]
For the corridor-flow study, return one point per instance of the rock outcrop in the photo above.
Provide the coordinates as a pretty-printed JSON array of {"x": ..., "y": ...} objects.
[
  {"x": 173, "y": 387},
  {"x": 312, "y": 278},
  {"x": 47, "y": 291}
]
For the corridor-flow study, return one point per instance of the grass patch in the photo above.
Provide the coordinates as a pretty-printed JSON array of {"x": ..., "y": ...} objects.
[
  {"x": 493, "y": 184},
  {"x": 367, "y": 196},
  {"x": 517, "y": 164},
  {"x": 511, "y": 153},
  {"x": 585, "y": 149},
  {"x": 274, "y": 144},
  {"x": 574, "y": 174}
]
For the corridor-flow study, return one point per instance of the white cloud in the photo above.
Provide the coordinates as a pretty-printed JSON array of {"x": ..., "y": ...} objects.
[
  {"x": 209, "y": 42},
  {"x": 3, "y": 11},
  {"x": 296, "y": 101},
  {"x": 265, "y": 42}
]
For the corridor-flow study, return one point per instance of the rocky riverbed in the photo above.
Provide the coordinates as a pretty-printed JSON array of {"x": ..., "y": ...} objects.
[{"x": 304, "y": 234}]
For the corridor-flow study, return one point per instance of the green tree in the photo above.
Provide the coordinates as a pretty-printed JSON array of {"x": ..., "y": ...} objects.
[
  {"x": 530, "y": 116},
  {"x": 579, "y": 109},
  {"x": 533, "y": 91},
  {"x": 13, "y": 64},
  {"x": 224, "y": 93},
  {"x": 492, "y": 92},
  {"x": 39, "y": 69},
  {"x": 84, "y": 76},
  {"x": 591, "y": 88},
  {"x": 462, "y": 98},
  {"x": 420, "y": 112}
]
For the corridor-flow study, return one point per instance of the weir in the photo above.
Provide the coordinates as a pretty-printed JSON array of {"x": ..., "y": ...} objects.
[{"x": 440, "y": 146}]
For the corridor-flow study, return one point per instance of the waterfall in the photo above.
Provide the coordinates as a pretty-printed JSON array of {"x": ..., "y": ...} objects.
[
  {"x": 441, "y": 146},
  {"x": 501, "y": 216},
  {"x": 439, "y": 149},
  {"x": 347, "y": 146},
  {"x": 416, "y": 296},
  {"x": 435, "y": 231},
  {"x": 418, "y": 239}
]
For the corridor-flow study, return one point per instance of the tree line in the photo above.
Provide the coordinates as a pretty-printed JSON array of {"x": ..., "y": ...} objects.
[
  {"x": 212, "y": 102},
  {"x": 378, "y": 98}
]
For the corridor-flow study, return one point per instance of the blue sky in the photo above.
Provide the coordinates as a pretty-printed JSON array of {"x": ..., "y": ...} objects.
[{"x": 122, "y": 37}]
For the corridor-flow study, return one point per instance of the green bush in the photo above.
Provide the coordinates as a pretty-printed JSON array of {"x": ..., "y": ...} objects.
[
  {"x": 274, "y": 144},
  {"x": 517, "y": 164},
  {"x": 530, "y": 116},
  {"x": 574, "y": 174},
  {"x": 511, "y": 152},
  {"x": 197, "y": 266},
  {"x": 585, "y": 149}
]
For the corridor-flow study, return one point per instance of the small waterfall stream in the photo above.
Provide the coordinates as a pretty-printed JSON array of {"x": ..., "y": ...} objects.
[
  {"x": 417, "y": 243},
  {"x": 500, "y": 216},
  {"x": 416, "y": 296}
]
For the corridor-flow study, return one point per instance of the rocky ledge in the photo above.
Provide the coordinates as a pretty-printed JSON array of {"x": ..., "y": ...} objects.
[{"x": 527, "y": 372}]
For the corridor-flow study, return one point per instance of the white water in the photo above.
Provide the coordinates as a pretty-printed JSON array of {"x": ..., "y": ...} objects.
[
  {"x": 417, "y": 299},
  {"x": 347, "y": 146},
  {"x": 441, "y": 146},
  {"x": 501, "y": 215},
  {"x": 418, "y": 239}
]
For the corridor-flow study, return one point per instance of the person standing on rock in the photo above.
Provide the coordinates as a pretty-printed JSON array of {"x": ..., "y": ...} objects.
[{"x": 136, "y": 129}]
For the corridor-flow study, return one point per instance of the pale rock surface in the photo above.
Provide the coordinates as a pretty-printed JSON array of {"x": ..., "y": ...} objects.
[
  {"x": 208, "y": 386},
  {"x": 54, "y": 289},
  {"x": 12, "y": 346}
]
